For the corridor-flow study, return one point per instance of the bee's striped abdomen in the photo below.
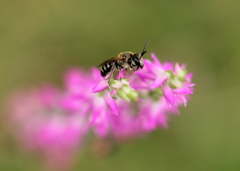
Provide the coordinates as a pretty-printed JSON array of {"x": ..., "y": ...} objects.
[{"x": 106, "y": 69}]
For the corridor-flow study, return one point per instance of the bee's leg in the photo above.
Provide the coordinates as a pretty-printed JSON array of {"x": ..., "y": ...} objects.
[
  {"x": 120, "y": 75},
  {"x": 126, "y": 71},
  {"x": 111, "y": 72}
]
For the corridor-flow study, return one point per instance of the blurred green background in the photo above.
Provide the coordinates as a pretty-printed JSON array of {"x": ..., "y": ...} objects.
[{"x": 39, "y": 40}]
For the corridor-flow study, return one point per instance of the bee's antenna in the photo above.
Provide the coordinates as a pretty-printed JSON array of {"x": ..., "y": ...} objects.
[{"x": 144, "y": 51}]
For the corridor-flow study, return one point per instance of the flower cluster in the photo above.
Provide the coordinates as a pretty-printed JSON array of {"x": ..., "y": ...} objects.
[
  {"x": 146, "y": 98},
  {"x": 55, "y": 123}
]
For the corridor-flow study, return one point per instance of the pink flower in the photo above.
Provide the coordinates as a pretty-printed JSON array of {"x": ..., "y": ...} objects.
[
  {"x": 79, "y": 99},
  {"x": 173, "y": 80},
  {"x": 43, "y": 126}
]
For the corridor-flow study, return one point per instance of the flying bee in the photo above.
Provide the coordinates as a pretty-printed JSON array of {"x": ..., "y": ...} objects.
[{"x": 126, "y": 60}]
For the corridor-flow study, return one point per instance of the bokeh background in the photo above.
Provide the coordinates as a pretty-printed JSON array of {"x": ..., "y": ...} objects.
[{"x": 39, "y": 40}]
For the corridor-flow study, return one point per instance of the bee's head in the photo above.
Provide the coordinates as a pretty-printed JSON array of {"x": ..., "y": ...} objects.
[{"x": 135, "y": 62}]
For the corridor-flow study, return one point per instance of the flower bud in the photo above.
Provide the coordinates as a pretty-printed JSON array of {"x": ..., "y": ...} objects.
[{"x": 127, "y": 93}]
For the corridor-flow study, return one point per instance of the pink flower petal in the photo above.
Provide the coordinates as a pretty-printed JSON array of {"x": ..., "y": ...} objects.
[
  {"x": 121, "y": 74},
  {"x": 177, "y": 68},
  {"x": 100, "y": 86},
  {"x": 144, "y": 74},
  {"x": 183, "y": 90},
  {"x": 168, "y": 94},
  {"x": 158, "y": 81},
  {"x": 111, "y": 103},
  {"x": 151, "y": 68},
  {"x": 189, "y": 77},
  {"x": 183, "y": 99},
  {"x": 167, "y": 66},
  {"x": 156, "y": 60},
  {"x": 96, "y": 74},
  {"x": 190, "y": 85},
  {"x": 162, "y": 121}
]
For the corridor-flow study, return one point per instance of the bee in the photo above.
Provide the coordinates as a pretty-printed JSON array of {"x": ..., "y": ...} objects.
[{"x": 126, "y": 60}]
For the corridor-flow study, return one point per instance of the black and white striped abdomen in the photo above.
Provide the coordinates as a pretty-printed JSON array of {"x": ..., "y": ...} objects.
[{"x": 107, "y": 68}]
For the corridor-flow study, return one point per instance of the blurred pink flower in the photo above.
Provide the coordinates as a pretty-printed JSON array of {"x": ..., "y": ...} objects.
[{"x": 43, "y": 126}]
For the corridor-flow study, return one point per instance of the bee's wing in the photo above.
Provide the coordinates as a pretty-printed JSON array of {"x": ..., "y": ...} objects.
[{"x": 109, "y": 60}]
